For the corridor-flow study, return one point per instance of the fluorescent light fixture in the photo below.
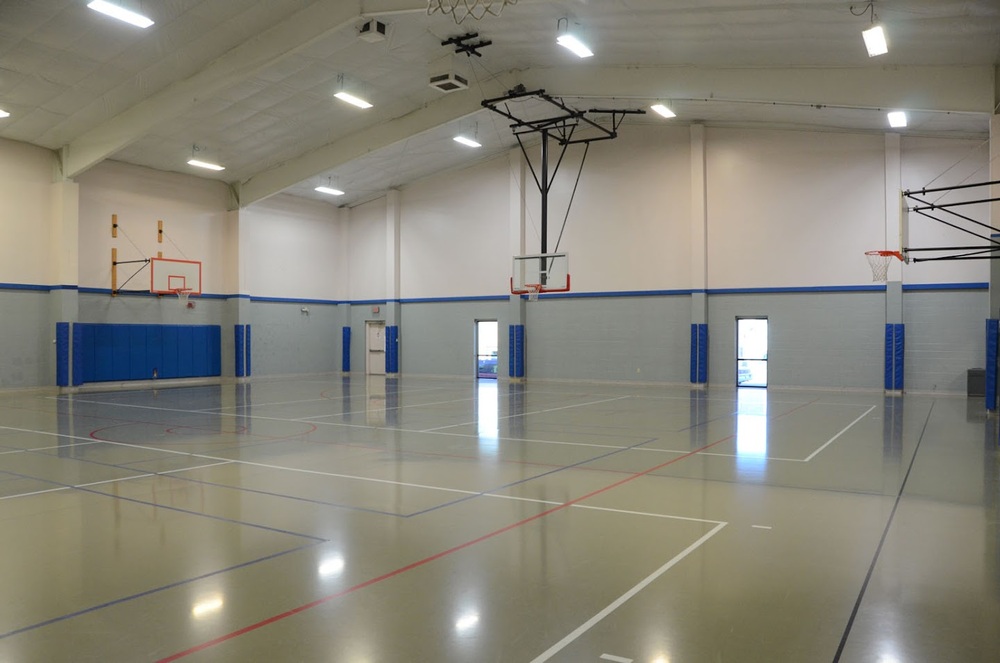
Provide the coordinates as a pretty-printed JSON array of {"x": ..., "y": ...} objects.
[
  {"x": 122, "y": 14},
  {"x": 875, "y": 41},
  {"x": 4, "y": 113},
  {"x": 351, "y": 99},
  {"x": 577, "y": 47},
  {"x": 205, "y": 164},
  {"x": 468, "y": 142},
  {"x": 663, "y": 110},
  {"x": 897, "y": 119},
  {"x": 329, "y": 190}
]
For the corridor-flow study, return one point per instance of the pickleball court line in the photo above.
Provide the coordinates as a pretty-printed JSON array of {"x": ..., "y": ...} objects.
[{"x": 427, "y": 560}]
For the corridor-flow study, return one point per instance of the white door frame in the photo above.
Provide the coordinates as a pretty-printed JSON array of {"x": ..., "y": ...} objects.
[{"x": 375, "y": 347}]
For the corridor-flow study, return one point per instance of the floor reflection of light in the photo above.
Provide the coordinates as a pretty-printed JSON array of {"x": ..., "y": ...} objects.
[
  {"x": 661, "y": 659},
  {"x": 331, "y": 566},
  {"x": 207, "y": 606},
  {"x": 487, "y": 416},
  {"x": 751, "y": 430},
  {"x": 466, "y": 622}
]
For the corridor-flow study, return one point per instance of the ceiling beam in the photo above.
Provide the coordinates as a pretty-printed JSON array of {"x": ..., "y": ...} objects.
[
  {"x": 278, "y": 42},
  {"x": 447, "y": 109},
  {"x": 955, "y": 89}
]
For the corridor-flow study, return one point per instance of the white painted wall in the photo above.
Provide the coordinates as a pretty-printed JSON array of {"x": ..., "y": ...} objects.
[
  {"x": 366, "y": 239},
  {"x": 453, "y": 233},
  {"x": 629, "y": 225},
  {"x": 26, "y": 204},
  {"x": 292, "y": 249},
  {"x": 935, "y": 163},
  {"x": 789, "y": 208},
  {"x": 194, "y": 217}
]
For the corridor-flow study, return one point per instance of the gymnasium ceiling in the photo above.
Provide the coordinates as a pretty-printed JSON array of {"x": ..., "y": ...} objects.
[{"x": 250, "y": 83}]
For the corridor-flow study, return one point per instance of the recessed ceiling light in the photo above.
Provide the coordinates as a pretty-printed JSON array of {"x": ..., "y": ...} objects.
[
  {"x": 4, "y": 113},
  {"x": 329, "y": 190},
  {"x": 897, "y": 119},
  {"x": 663, "y": 110},
  {"x": 351, "y": 99},
  {"x": 205, "y": 164},
  {"x": 875, "y": 41},
  {"x": 466, "y": 141},
  {"x": 577, "y": 47},
  {"x": 122, "y": 14}
]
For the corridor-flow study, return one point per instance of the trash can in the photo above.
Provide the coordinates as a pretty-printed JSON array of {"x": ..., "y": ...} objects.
[{"x": 975, "y": 382}]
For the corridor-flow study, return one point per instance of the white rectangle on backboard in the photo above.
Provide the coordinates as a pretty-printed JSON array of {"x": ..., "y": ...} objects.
[{"x": 167, "y": 276}]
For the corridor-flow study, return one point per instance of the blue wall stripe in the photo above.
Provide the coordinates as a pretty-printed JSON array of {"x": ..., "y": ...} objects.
[
  {"x": 516, "y": 351},
  {"x": 992, "y": 336},
  {"x": 392, "y": 349},
  {"x": 238, "y": 337},
  {"x": 345, "y": 356},
  {"x": 62, "y": 354}
]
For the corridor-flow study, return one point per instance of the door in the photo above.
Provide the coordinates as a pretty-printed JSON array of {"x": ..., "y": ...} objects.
[
  {"x": 751, "y": 352},
  {"x": 375, "y": 347},
  {"x": 487, "y": 344}
]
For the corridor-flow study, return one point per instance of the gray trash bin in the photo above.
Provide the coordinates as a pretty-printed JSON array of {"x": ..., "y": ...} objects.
[{"x": 975, "y": 382}]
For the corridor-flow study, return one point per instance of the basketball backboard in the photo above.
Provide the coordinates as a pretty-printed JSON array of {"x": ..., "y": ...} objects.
[
  {"x": 167, "y": 276},
  {"x": 543, "y": 272}
]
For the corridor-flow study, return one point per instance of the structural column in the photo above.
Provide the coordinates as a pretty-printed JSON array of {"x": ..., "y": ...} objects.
[
  {"x": 993, "y": 322},
  {"x": 392, "y": 281},
  {"x": 516, "y": 363},
  {"x": 64, "y": 273},
  {"x": 895, "y": 333},
  {"x": 699, "y": 259}
]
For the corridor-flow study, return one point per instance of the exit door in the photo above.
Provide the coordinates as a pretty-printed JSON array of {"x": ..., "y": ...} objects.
[
  {"x": 375, "y": 347},
  {"x": 487, "y": 344},
  {"x": 751, "y": 352}
]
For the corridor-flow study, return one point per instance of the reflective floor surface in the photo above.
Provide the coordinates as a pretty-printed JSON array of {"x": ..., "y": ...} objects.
[{"x": 380, "y": 520}]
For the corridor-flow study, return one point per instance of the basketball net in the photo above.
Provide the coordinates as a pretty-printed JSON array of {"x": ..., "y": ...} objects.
[
  {"x": 182, "y": 295},
  {"x": 463, "y": 9},
  {"x": 879, "y": 262},
  {"x": 533, "y": 290}
]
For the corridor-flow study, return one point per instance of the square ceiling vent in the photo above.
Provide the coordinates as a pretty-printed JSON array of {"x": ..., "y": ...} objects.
[{"x": 449, "y": 82}]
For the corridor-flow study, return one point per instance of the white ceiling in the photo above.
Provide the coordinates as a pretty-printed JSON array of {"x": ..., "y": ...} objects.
[{"x": 250, "y": 83}]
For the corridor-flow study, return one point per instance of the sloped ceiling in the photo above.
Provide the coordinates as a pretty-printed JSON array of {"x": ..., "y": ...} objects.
[{"x": 249, "y": 84}]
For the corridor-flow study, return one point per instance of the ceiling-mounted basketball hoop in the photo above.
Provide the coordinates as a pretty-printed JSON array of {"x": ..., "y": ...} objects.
[
  {"x": 880, "y": 261},
  {"x": 463, "y": 9}
]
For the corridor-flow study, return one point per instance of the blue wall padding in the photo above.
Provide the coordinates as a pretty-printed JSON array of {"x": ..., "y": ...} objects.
[
  {"x": 345, "y": 356},
  {"x": 992, "y": 335},
  {"x": 516, "y": 340},
  {"x": 392, "y": 349},
  {"x": 898, "y": 356},
  {"x": 249, "y": 354},
  {"x": 895, "y": 356},
  {"x": 62, "y": 354},
  {"x": 77, "y": 334},
  {"x": 239, "y": 337},
  {"x": 699, "y": 353},
  {"x": 118, "y": 352}
]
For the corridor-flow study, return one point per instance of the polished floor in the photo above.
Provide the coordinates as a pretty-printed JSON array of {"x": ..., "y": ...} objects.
[{"x": 380, "y": 520}]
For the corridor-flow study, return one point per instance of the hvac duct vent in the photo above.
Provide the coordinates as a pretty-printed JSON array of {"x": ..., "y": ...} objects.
[
  {"x": 449, "y": 82},
  {"x": 373, "y": 31}
]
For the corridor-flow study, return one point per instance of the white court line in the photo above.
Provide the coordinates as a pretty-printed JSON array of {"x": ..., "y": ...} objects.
[
  {"x": 761, "y": 526},
  {"x": 617, "y": 603},
  {"x": 615, "y": 659},
  {"x": 98, "y": 483},
  {"x": 58, "y": 446},
  {"x": 525, "y": 414},
  {"x": 832, "y": 439},
  {"x": 381, "y": 409}
]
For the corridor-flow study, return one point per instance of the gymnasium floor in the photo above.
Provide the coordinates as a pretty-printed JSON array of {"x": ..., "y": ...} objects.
[{"x": 417, "y": 519}]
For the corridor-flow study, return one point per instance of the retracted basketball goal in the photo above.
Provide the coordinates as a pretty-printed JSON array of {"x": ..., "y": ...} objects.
[{"x": 533, "y": 275}]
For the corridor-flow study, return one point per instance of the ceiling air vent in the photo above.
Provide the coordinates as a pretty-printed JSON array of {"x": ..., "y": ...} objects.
[
  {"x": 448, "y": 82},
  {"x": 373, "y": 31}
]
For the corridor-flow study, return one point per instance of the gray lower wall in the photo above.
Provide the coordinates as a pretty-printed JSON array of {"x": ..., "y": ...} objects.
[
  {"x": 644, "y": 339},
  {"x": 822, "y": 340},
  {"x": 945, "y": 336},
  {"x": 438, "y": 338}
]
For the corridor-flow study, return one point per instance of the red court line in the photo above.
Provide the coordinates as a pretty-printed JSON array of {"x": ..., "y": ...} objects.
[{"x": 444, "y": 553}]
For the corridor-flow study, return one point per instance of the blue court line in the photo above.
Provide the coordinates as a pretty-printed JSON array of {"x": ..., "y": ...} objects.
[
  {"x": 532, "y": 478},
  {"x": 173, "y": 474},
  {"x": 168, "y": 508},
  {"x": 154, "y": 590}
]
